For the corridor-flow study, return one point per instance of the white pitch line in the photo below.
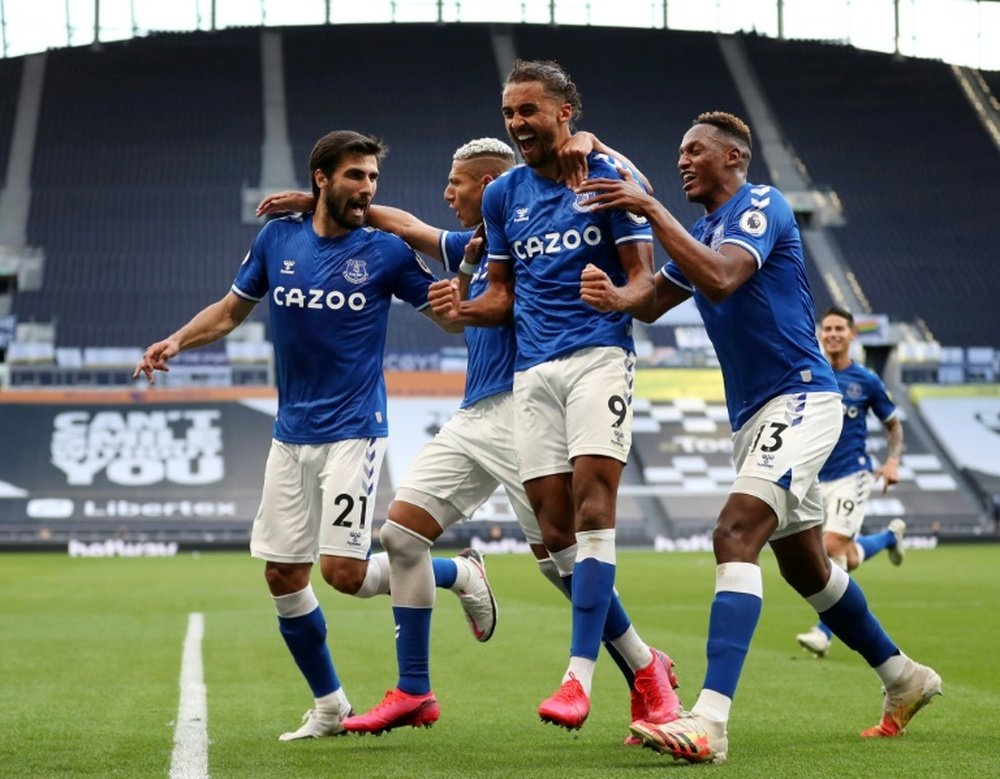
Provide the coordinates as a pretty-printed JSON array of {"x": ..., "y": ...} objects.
[{"x": 190, "y": 756}]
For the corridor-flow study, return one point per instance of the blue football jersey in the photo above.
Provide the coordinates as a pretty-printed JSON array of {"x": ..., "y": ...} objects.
[
  {"x": 550, "y": 234},
  {"x": 329, "y": 304},
  {"x": 862, "y": 390},
  {"x": 492, "y": 350},
  {"x": 763, "y": 333}
]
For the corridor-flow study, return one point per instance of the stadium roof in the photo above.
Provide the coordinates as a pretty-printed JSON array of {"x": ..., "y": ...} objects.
[{"x": 957, "y": 31}]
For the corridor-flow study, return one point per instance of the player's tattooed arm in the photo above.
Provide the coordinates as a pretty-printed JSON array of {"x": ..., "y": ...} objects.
[{"x": 889, "y": 470}]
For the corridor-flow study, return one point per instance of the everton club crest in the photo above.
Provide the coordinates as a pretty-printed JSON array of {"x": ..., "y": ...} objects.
[{"x": 356, "y": 271}]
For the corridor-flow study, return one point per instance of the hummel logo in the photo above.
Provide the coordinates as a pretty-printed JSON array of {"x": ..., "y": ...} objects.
[
  {"x": 520, "y": 214},
  {"x": 288, "y": 267},
  {"x": 766, "y": 461}
]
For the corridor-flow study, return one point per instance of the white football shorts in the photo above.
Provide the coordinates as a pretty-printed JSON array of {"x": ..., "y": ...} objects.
[
  {"x": 778, "y": 454},
  {"x": 319, "y": 499},
  {"x": 462, "y": 466},
  {"x": 844, "y": 503},
  {"x": 578, "y": 404}
]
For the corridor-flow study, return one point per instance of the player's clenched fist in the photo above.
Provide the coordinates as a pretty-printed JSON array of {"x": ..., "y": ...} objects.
[
  {"x": 597, "y": 289},
  {"x": 444, "y": 299}
]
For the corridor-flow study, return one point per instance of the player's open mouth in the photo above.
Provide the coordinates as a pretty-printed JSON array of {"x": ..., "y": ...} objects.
[
  {"x": 687, "y": 179},
  {"x": 526, "y": 143}
]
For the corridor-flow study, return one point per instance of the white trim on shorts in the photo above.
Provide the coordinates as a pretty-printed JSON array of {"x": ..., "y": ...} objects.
[
  {"x": 845, "y": 501},
  {"x": 779, "y": 452},
  {"x": 318, "y": 499},
  {"x": 578, "y": 404}
]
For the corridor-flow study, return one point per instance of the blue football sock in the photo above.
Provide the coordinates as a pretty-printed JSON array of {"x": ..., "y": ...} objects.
[
  {"x": 826, "y": 631},
  {"x": 305, "y": 637},
  {"x": 852, "y": 622},
  {"x": 616, "y": 623},
  {"x": 413, "y": 638},
  {"x": 876, "y": 542},
  {"x": 731, "y": 624},
  {"x": 445, "y": 572},
  {"x": 593, "y": 584}
]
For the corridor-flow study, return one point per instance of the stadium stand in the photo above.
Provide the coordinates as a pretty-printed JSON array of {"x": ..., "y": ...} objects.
[
  {"x": 141, "y": 150},
  {"x": 914, "y": 169},
  {"x": 10, "y": 78},
  {"x": 992, "y": 79},
  {"x": 422, "y": 106}
]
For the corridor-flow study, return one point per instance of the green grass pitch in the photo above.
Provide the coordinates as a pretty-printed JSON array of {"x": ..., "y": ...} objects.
[{"x": 90, "y": 653}]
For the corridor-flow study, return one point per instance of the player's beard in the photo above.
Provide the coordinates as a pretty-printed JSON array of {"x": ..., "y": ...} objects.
[
  {"x": 542, "y": 149},
  {"x": 337, "y": 210}
]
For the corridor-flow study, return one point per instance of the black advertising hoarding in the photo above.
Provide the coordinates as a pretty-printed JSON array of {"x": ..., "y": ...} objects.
[{"x": 132, "y": 467}]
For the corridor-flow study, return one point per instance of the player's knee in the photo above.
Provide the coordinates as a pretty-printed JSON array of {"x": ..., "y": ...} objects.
[
  {"x": 392, "y": 538},
  {"x": 284, "y": 579},
  {"x": 344, "y": 575},
  {"x": 561, "y": 536},
  {"x": 402, "y": 543},
  {"x": 552, "y": 503},
  {"x": 807, "y": 579},
  {"x": 744, "y": 526},
  {"x": 595, "y": 512},
  {"x": 733, "y": 541}
]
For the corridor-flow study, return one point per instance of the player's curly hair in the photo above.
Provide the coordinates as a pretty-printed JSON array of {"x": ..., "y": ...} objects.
[
  {"x": 332, "y": 147},
  {"x": 734, "y": 128},
  {"x": 553, "y": 77}
]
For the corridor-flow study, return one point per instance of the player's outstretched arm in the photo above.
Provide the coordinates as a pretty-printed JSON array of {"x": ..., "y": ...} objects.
[
  {"x": 420, "y": 235},
  {"x": 889, "y": 470},
  {"x": 597, "y": 290},
  {"x": 207, "y": 326},
  {"x": 716, "y": 274},
  {"x": 283, "y": 202}
]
